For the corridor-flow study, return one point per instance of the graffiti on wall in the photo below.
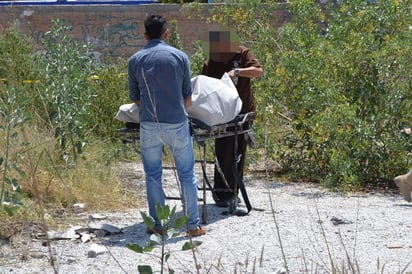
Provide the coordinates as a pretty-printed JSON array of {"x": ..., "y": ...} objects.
[{"x": 109, "y": 35}]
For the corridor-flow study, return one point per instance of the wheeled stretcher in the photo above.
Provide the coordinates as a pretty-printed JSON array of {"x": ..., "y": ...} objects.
[{"x": 202, "y": 134}]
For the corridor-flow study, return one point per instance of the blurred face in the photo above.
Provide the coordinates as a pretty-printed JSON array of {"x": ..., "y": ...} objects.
[{"x": 222, "y": 45}]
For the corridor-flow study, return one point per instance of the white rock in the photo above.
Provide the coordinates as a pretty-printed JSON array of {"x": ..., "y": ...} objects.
[
  {"x": 85, "y": 237},
  {"x": 97, "y": 216},
  {"x": 95, "y": 250},
  {"x": 280, "y": 270},
  {"x": 70, "y": 259},
  {"x": 78, "y": 208}
]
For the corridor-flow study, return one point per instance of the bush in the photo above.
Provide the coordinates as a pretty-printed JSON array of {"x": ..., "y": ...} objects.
[
  {"x": 16, "y": 59},
  {"x": 16, "y": 65},
  {"x": 111, "y": 89},
  {"x": 341, "y": 73},
  {"x": 48, "y": 99},
  {"x": 345, "y": 77},
  {"x": 64, "y": 94}
]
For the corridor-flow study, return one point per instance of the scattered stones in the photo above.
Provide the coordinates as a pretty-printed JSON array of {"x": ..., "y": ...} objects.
[
  {"x": 85, "y": 234},
  {"x": 70, "y": 234},
  {"x": 377, "y": 225},
  {"x": 107, "y": 228}
]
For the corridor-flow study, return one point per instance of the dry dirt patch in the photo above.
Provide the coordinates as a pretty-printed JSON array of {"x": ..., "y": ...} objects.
[{"x": 299, "y": 226}]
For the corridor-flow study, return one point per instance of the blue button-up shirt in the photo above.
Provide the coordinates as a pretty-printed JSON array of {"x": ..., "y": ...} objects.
[{"x": 159, "y": 77}]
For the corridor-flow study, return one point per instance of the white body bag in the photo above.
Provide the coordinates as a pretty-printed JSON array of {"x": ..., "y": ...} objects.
[
  {"x": 128, "y": 113},
  {"x": 214, "y": 101}
]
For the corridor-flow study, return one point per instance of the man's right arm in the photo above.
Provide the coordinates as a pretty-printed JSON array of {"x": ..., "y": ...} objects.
[{"x": 187, "y": 102}]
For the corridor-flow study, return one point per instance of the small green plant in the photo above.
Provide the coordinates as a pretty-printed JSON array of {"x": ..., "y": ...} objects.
[
  {"x": 171, "y": 226},
  {"x": 11, "y": 119}
]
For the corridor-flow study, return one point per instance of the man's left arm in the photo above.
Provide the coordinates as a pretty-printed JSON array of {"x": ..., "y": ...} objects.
[
  {"x": 249, "y": 72},
  {"x": 250, "y": 68}
]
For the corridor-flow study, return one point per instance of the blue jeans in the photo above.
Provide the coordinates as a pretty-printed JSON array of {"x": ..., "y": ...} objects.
[{"x": 153, "y": 137}]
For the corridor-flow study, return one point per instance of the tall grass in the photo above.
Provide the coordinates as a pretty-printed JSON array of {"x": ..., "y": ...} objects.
[{"x": 47, "y": 182}]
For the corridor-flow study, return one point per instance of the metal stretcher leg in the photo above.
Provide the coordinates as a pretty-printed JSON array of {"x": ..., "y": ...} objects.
[
  {"x": 205, "y": 182},
  {"x": 233, "y": 203},
  {"x": 130, "y": 136},
  {"x": 237, "y": 127},
  {"x": 222, "y": 175}
]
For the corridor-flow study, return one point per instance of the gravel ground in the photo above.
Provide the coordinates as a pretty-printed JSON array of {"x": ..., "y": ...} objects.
[{"x": 300, "y": 227}]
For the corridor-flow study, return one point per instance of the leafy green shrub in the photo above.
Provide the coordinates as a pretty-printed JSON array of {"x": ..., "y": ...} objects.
[
  {"x": 197, "y": 59},
  {"x": 11, "y": 120},
  {"x": 110, "y": 87},
  {"x": 31, "y": 83},
  {"x": 65, "y": 94},
  {"x": 16, "y": 65},
  {"x": 174, "y": 38},
  {"x": 346, "y": 78},
  {"x": 16, "y": 59},
  {"x": 341, "y": 73}
]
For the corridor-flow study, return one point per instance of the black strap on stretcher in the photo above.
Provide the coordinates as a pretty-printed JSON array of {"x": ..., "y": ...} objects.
[
  {"x": 238, "y": 179},
  {"x": 237, "y": 176}
]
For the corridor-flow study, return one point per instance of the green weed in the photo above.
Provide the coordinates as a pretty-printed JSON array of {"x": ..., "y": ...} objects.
[{"x": 171, "y": 226}]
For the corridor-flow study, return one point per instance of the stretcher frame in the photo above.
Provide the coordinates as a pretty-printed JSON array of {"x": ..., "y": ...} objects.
[{"x": 202, "y": 134}]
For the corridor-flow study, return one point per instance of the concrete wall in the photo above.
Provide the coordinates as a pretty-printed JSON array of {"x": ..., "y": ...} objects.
[{"x": 114, "y": 30}]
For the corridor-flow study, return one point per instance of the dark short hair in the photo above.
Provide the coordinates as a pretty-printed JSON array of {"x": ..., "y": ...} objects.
[{"x": 155, "y": 26}]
